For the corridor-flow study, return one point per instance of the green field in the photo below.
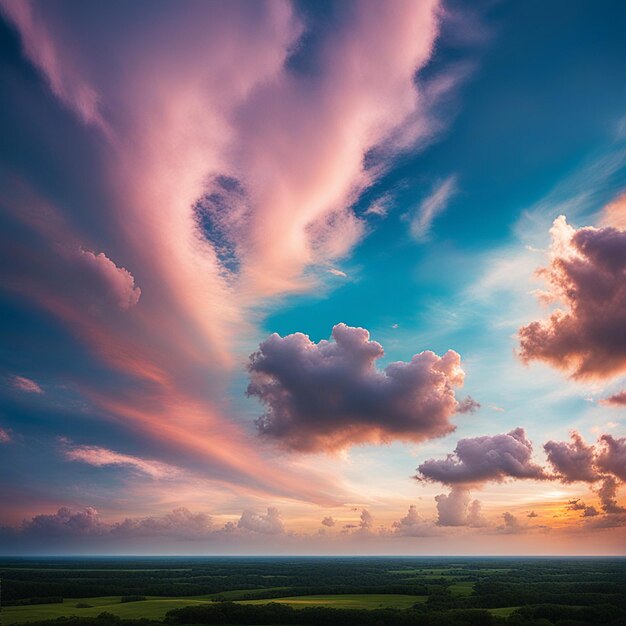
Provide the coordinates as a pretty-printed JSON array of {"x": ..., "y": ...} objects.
[
  {"x": 464, "y": 588},
  {"x": 156, "y": 608},
  {"x": 347, "y": 601},
  {"x": 504, "y": 611},
  {"x": 152, "y": 607}
]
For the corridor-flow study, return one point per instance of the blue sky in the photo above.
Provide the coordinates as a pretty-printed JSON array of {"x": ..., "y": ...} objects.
[{"x": 392, "y": 170}]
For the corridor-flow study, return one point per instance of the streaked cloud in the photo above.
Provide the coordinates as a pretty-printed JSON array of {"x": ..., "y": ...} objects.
[
  {"x": 432, "y": 206},
  {"x": 26, "y": 384},
  {"x": 102, "y": 457}
]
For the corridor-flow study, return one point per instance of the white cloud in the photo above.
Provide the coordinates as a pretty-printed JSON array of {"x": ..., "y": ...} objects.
[{"x": 432, "y": 206}]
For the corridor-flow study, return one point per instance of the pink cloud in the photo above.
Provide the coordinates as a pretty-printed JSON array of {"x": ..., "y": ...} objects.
[
  {"x": 66, "y": 522},
  {"x": 617, "y": 399},
  {"x": 119, "y": 282},
  {"x": 458, "y": 509},
  {"x": 180, "y": 522},
  {"x": 512, "y": 525},
  {"x": 412, "y": 525},
  {"x": 586, "y": 276},
  {"x": 578, "y": 461},
  {"x": 269, "y": 524},
  {"x": 26, "y": 384},
  {"x": 607, "y": 492},
  {"x": 203, "y": 95},
  {"x": 611, "y": 457},
  {"x": 614, "y": 213},
  {"x": 573, "y": 461},
  {"x": 4, "y": 436},
  {"x": 61, "y": 71},
  {"x": 330, "y": 395},
  {"x": 102, "y": 457}
]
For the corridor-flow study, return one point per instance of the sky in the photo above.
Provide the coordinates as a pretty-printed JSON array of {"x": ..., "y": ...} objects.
[{"x": 313, "y": 277}]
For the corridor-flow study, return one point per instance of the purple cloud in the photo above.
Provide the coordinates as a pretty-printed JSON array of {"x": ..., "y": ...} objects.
[
  {"x": 611, "y": 457},
  {"x": 330, "y": 395},
  {"x": 481, "y": 459},
  {"x": 573, "y": 461},
  {"x": 269, "y": 524},
  {"x": 458, "y": 509}
]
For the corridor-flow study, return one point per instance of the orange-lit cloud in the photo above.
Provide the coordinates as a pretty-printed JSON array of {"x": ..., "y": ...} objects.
[
  {"x": 330, "y": 395},
  {"x": 587, "y": 277}
]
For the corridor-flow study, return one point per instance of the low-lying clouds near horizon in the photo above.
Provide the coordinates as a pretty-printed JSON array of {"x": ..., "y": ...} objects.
[{"x": 221, "y": 241}]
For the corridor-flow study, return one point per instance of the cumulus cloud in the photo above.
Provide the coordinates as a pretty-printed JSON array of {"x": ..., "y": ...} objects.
[
  {"x": 25, "y": 384},
  {"x": 573, "y": 461},
  {"x": 103, "y": 457},
  {"x": 269, "y": 524},
  {"x": 587, "y": 277},
  {"x": 458, "y": 509},
  {"x": 4, "y": 436},
  {"x": 578, "y": 461},
  {"x": 66, "y": 522},
  {"x": 117, "y": 283},
  {"x": 366, "y": 521},
  {"x": 330, "y": 395},
  {"x": 412, "y": 525},
  {"x": 578, "y": 505},
  {"x": 328, "y": 521},
  {"x": 608, "y": 496},
  {"x": 590, "y": 511},
  {"x": 180, "y": 522},
  {"x": 612, "y": 456},
  {"x": 512, "y": 525},
  {"x": 494, "y": 458},
  {"x": 432, "y": 206},
  {"x": 486, "y": 458}
]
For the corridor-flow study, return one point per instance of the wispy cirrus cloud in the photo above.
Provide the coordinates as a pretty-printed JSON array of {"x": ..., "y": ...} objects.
[
  {"x": 26, "y": 384},
  {"x": 432, "y": 206},
  {"x": 210, "y": 203},
  {"x": 103, "y": 457}
]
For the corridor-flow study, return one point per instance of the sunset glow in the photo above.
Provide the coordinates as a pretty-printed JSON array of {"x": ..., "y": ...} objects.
[{"x": 312, "y": 277}]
